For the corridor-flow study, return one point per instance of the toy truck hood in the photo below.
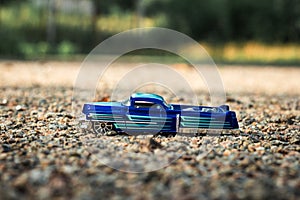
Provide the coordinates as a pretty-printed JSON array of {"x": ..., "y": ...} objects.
[
  {"x": 96, "y": 106},
  {"x": 104, "y": 104}
]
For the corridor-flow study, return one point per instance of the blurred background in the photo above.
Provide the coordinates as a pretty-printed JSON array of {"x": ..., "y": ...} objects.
[{"x": 232, "y": 31}]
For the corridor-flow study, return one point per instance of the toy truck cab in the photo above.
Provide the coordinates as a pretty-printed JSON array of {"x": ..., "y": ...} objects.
[
  {"x": 148, "y": 113},
  {"x": 140, "y": 102}
]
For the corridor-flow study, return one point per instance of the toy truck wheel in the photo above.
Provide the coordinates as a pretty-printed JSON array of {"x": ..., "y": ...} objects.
[
  {"x": 166, "y": 134},
  {"x": 103, "y": 128}
]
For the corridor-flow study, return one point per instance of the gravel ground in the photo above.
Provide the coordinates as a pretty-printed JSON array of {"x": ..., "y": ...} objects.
[{"x": 43, "y": 155}]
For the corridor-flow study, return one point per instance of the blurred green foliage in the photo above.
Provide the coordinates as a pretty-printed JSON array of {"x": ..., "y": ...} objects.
[
  {"x": 25, "y": 27},
  {"x": 237, "y": 20}
]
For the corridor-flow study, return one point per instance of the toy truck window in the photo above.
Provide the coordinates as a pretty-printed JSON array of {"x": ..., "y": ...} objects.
[
  {"x": 143, "y": 104},
  {"x": 167, "y": 105}
]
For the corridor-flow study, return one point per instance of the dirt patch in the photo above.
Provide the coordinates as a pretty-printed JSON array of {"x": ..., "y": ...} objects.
[{"x": 237, "y": 79}]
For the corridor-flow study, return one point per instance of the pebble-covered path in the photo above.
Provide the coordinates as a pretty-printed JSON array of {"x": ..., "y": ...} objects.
[{"x": 43, "y": 155}]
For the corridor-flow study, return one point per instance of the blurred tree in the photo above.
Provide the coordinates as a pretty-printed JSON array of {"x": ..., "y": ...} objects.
[
  {"x": 200, "y": 19},
  {"x": 268, "y": 20},
  {"x": 105, "y": 7},
  {"x": 289, "y": 20},
  {"x": 222, "y": 20},
  {"x": 3, "y": 2},
  {"x": 51, "y": 25},
  {"x": 7, "y": 2}
]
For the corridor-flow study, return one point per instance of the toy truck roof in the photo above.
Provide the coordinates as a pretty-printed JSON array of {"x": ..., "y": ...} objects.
[{"x": 140, "y": 95}]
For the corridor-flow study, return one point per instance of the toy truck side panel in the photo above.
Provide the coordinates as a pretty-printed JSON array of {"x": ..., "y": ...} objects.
[{"x": 206, "y": 120}]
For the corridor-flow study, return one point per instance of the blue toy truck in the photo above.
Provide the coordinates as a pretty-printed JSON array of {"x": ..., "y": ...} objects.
[{"x": 149, "y": 113}]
